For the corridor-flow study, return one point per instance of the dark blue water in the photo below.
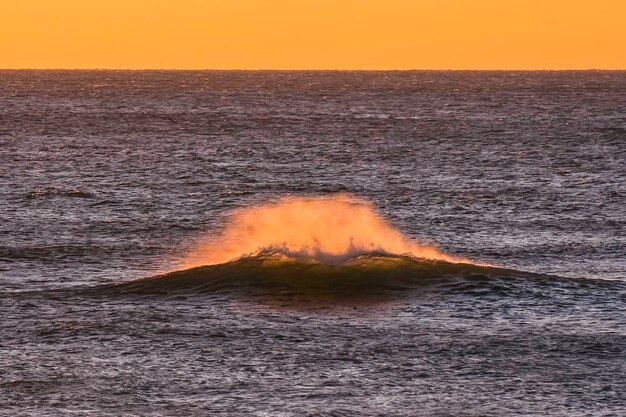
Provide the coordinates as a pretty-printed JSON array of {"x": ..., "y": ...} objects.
[{"x": 110, "y": 177}]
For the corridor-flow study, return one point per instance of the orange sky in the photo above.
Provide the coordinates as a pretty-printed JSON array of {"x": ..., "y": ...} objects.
[{"x": 313, "y": 34}]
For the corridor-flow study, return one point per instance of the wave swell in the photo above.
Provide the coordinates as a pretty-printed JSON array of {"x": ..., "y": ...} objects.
[{"x": 275, "y": 272}]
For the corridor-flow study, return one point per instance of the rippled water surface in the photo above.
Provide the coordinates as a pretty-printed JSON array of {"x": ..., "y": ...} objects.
[{"x": 107, "y": 178}]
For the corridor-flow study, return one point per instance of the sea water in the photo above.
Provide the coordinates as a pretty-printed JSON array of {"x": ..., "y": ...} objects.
[{"x": 112, "y": 180}]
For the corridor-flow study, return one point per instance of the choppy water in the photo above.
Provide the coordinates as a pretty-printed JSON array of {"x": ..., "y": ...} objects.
[{"x": 107, "y": 178}]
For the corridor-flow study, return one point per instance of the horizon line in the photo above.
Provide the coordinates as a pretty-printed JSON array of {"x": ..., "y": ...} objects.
[{"x": 309, "y": 69}]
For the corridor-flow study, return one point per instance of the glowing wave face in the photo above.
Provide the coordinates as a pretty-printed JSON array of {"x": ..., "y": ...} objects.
[{"x": 322, "y": 229}]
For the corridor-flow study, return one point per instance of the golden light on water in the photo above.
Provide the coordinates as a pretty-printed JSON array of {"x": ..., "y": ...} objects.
[{"x": 325, "y": 229}]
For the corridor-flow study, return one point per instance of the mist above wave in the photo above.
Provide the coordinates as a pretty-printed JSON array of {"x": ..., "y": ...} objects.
[{"x": 330, "y": 229}]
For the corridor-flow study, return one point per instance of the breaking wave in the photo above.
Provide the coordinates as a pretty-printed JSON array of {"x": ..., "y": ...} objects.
[{"x": 335, "y": 244}]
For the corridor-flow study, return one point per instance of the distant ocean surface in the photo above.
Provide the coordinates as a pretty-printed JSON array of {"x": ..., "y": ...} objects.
[{"x": 109, "y": 179}]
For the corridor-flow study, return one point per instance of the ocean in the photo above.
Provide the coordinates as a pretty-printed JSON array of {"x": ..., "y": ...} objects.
[{"x": 332, "y": 243}]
